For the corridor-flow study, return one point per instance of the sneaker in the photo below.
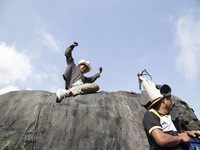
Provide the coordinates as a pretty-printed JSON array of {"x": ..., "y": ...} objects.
[{"x": 60, "y": 94}]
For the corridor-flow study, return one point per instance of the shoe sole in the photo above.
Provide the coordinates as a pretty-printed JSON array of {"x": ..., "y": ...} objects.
[{"x": 58, "y": 100}]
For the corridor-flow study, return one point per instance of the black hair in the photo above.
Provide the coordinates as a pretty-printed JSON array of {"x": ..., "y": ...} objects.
[{"x": 157, "y": 104}]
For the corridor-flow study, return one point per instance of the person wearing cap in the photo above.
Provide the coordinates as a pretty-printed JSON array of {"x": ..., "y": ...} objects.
[
  {"x": 161, "y": 131},
  {"x": 75, "y": 81}
]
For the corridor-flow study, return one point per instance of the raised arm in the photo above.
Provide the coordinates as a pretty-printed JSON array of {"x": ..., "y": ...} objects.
[{"x": 68, "y": 53}]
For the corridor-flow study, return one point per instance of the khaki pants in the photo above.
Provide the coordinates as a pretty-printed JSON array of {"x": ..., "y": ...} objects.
[{"x": 84, "y": 88}]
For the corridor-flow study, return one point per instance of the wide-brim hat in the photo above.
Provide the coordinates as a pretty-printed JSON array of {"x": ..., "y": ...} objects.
[
  {"x": 153, "y": 92},
  {"x": 151, "y": 103},
  {"x": 84, "y": 62}
]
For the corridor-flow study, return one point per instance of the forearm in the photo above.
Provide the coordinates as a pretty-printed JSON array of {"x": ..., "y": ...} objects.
[
  {"x": 167, "y": 140},
  {"x": 68, "y": 54},
  {"x": 93, "y": 78},
  {"x": 170, "y": 141},
  {"x": 69, "y": 50}
]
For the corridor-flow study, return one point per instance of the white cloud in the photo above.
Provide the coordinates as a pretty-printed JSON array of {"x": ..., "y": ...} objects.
[
  {"x": 8, "y": 89},
  {"x": 29, "y": 88},
  {"x": 49, "y": 41},
  {"x": 188, "y": 39},
  {"x": 41, "y": 76},
  {"x": 54, "y": 78},
  {"x": 13, "y": 65}
]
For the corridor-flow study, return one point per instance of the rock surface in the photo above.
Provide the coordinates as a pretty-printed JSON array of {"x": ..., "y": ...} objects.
[{"x": 98, "y": 121}]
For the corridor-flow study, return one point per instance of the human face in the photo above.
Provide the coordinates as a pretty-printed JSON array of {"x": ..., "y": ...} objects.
[
  {"x": 83, "y": 68},
  {"x": 168, "y": 103}
]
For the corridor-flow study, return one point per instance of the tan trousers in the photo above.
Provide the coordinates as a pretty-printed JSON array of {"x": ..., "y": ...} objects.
[{"x": 84, "y": 88}]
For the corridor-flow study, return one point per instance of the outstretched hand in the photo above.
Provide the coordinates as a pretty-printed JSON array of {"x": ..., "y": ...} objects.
[
  {"x": 100, "y": 70},
  {"x": 193, "y": 133},
  {"x": 75, "y": 44}
]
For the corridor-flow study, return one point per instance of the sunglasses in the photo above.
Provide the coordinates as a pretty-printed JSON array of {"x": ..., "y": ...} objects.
[{"x": 168, "y": 97}]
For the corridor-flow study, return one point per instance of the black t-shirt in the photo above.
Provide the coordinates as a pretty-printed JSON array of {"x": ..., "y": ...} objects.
[{"x": 153, "y": 120}]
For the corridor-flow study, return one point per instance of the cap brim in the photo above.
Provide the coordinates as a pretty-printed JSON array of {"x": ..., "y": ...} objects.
[
  {"x": 155, "y": 101},
  {"x": 147, "y": 105}
]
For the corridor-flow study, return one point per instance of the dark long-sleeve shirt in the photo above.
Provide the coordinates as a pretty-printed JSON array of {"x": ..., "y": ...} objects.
[{"x": 73, "y": 73}]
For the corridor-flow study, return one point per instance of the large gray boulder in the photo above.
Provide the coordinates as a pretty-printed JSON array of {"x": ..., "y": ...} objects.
[{"x": 97, "y": 121}]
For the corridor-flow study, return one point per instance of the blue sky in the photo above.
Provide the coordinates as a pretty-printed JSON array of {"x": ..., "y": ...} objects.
[{"x": 123, "y": 37}]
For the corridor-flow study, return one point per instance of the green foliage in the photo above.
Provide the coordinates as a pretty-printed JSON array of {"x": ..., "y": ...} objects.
[
  {"x": 7, "y": 144},
  {"x": 196, "y": 148},
  {"x": 22, "y": 147}
]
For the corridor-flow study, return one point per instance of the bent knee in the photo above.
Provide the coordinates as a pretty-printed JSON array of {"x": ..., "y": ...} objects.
[
  {"x": 92, "y": 87},
  {"x": 95, "y": 86}
]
